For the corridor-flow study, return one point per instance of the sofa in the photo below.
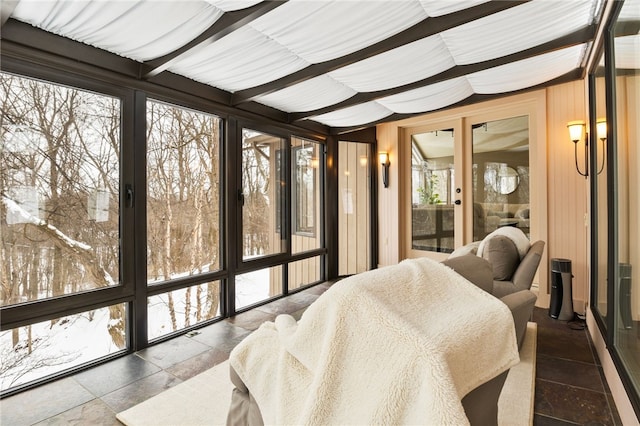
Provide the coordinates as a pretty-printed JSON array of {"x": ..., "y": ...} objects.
[
  {"x": 514, "y": 260},
  {"x": 480, "y": 404}
]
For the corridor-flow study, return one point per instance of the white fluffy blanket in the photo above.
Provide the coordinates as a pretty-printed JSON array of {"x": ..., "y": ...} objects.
[{"x": 397, "y": 345}]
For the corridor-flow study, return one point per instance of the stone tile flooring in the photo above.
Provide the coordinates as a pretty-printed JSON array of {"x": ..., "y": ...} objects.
[{"x": 570, "y": 386}]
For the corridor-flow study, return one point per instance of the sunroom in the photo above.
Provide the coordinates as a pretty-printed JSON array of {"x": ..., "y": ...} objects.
[{"x": 169, "y": 164}]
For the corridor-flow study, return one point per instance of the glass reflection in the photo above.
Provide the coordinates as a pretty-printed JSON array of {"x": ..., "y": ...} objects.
[
  {"x": 432, "y": 183},
  {"x": 500, "y": 175},
  {"x": 627, "y": 133},
  {"x": 600, "y": 211}
]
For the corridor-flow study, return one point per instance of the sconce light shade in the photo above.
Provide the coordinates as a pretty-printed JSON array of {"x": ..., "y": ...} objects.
[
  {"x": 384, "y": 157},
  {"x": 576, "y": 134},
  {"x": 601, "y": 129},
  {"x": 384, "y": 162},
  {"x": 576, "y": 130}
]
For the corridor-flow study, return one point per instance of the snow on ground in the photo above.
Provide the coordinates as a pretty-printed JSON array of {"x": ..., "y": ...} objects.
[{"x": 78, "y": 339}]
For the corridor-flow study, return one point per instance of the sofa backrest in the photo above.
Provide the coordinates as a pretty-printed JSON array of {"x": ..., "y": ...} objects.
[
  {"x": 523, "y": 277},
  {"x": 473, "y": 268}
]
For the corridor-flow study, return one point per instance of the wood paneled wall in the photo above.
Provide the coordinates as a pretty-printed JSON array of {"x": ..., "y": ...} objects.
[
  {"x": 354, "y": 220},
  {"x": 564, "y": 203},
  {"x": 568, "y": 192}
]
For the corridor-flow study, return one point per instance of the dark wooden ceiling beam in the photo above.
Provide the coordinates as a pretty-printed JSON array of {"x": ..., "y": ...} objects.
[
  {"x": 423, "y": 29},
  {"x": 573, "y": 75},
  {"x": 576, "y": 38},
  {"x": 228, "y": 23}
]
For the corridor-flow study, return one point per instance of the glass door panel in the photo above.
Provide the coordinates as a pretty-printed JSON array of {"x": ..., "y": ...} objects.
[
  {"x": 432, "y": 191},
  {"x": 262, "y": 194},
  {"x": 627, "y": 292},
  {"x": 601, "y": 204},
  {"x": 500, "y": 175}
]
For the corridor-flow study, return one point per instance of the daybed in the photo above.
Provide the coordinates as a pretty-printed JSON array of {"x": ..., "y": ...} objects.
[{"x": 439, "y": 346}]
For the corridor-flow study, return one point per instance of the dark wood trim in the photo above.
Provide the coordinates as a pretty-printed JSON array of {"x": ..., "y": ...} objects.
[
  {"x": 44, "y": 310},
  {"x": 228, "y": 23},
  {"x": 331, "y": 208},
  {"x": 232, "y": 241},
  {"x": 576, "y": 38},
  {"x": 167, "y": 85},
  {"x": 423, "y": 29},
  {"x": 23, "y": 43},
  {"x": 138, "y": 244},
  {"x": 475, "y": 98}
]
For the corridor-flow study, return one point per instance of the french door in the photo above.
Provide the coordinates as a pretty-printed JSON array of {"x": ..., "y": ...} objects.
[{"x": 469, "y": 177}]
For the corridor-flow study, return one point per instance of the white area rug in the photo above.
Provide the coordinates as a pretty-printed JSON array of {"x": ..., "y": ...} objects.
[{"x": 205, "y": 398}]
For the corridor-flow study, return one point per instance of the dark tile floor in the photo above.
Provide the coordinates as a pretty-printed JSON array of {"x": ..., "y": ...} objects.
[
  {"x": 570, "y": 388},
  {"x": 570, "y": 384}
]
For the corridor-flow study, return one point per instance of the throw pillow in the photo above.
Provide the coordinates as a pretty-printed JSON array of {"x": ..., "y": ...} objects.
[{"x": 502, "y": 254}]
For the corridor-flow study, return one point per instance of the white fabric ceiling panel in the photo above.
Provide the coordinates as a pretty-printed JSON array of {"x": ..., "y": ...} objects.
[
  {"x": 355, "y": 115},
  {"x": 320, "y": 31},
  {"x": 630, "y": 10},
  {"x": 243, "y": 59},
  {"x": 516, "y": 29},
  {"x": 443, "y": 7},
  {"x": 140, "y": 30},
  {"x": 429, "y": 98},
  {"x": 308, "y": 95},
  {"x": 417, "y": 60},
  {"x": 528, "y": 72},
  {"x": 231, "y": 5},
  {"x": 627, "y": 52}
]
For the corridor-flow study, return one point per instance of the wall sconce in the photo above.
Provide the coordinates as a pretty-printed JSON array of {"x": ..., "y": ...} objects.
[
  {"x": 576, "y": 134},
  {"x": 384, "y": 162},
  {"x": 601, "y": 131}
]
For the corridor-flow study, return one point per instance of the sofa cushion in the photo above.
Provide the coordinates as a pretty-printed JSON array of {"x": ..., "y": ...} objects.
[
  {"x": 471, "y": 248},
  {"x": 473, "y": 268},
  {"x": 503, "y": 256}
]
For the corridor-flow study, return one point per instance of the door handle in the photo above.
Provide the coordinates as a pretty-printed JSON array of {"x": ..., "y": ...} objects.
[
  {"x": 129, "y": 195},
  {"x": 241, "y": 197},
  {"x": 457, "y": 202}
]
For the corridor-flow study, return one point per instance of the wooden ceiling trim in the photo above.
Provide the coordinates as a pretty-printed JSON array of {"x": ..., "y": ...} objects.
[
  {"x": 423, "y": 29},
  {"x": 578, "y": 37},
  {"x": 574, "y": 75},
  {"x": 228, "y": 23}
]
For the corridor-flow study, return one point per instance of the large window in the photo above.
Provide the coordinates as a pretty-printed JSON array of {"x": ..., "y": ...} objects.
[
  {"x": 627, "y": 216},
  {"x": 59, "y": 223},
  {"x": 59, "y": 180},
  {"x": 615, "y": 206},
  {"x": 262, "y": 198},
  {"x": 183, "y": 214},
  {"x": 116, "y": 208}
]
